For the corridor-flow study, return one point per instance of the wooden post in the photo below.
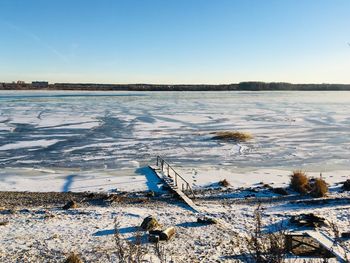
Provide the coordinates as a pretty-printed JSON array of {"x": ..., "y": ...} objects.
[{"x": 175, "y": 179}]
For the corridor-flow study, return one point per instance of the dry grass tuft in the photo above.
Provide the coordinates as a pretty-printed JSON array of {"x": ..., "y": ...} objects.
[
  {"x": 260, "y": 246},
  {"x": 73, "y": 258},
  {"x": 224, "y": 183},
  {"x": 232, "y": 136},
  {"x": 319, "y": 188},
  {"x": 128, "y": 251},
  {"x": 304, "y": 185},
  {"x": 299, "y": 182}
]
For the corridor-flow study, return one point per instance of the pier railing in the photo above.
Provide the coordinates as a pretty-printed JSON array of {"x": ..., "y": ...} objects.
[{"x": 178, "y": 180}]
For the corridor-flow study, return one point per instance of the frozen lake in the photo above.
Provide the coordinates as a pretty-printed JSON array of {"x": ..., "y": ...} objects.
[{"x": 104, "y": 130}]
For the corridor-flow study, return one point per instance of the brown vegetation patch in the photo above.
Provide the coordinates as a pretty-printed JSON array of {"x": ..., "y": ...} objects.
[
  {"x": 232, "y": 136},
  {"x": 73, "y": 258},
  {"x": 319, "y": 188},
  {"x": 316, "y": 187},
  {"x": 299, "y": 182},
  {"x": 224, "y": 183}
]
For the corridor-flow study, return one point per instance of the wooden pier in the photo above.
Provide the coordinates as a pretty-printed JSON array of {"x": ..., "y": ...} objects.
[{"x": 175, "y": 182}]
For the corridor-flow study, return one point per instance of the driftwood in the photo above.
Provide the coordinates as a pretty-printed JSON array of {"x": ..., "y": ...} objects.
[
  {"x": 164, "y": 235},
  {"x": 308, "y": 220},
  {"x": 167, "y": 233}
]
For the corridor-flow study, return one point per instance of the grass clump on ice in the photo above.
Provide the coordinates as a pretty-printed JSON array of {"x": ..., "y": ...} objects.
[{"x": 232, "y": 136}]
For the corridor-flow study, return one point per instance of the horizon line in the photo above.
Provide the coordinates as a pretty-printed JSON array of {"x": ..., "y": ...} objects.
[{"x": 175, "y": 84}]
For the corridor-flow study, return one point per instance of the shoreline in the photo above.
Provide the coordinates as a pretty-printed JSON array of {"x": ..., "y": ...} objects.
[
  {"x": 143, "y": 179},
  {"x": 242, "y": 86}
]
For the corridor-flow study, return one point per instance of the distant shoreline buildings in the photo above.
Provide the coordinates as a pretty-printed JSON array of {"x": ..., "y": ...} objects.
[{"x": 40, "y": 84}]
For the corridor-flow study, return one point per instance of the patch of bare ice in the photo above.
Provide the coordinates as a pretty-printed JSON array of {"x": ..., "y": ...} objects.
[{"x": 28, "y": 144}]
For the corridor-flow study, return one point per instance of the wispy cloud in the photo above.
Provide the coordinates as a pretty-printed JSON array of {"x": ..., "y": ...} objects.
[{"x": 38, "y": 40}]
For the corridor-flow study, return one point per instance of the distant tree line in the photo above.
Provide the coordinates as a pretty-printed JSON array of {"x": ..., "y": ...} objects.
[
  {"x": 242, "y": 86},
  {"x": 288, "y": 86}
]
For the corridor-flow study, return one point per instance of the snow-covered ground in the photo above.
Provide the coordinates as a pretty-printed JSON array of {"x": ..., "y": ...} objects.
[{"x": 49, "y": 234}]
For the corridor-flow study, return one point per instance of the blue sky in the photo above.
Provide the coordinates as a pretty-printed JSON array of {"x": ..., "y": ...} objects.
[{"x": 175, "y": 41}]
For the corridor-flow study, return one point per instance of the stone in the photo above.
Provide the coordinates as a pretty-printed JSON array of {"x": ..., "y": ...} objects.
[
  {"x": 207, "y": 220},
  {"x": 150, "y": 223},
  {"x": 70, "y": 204}
]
